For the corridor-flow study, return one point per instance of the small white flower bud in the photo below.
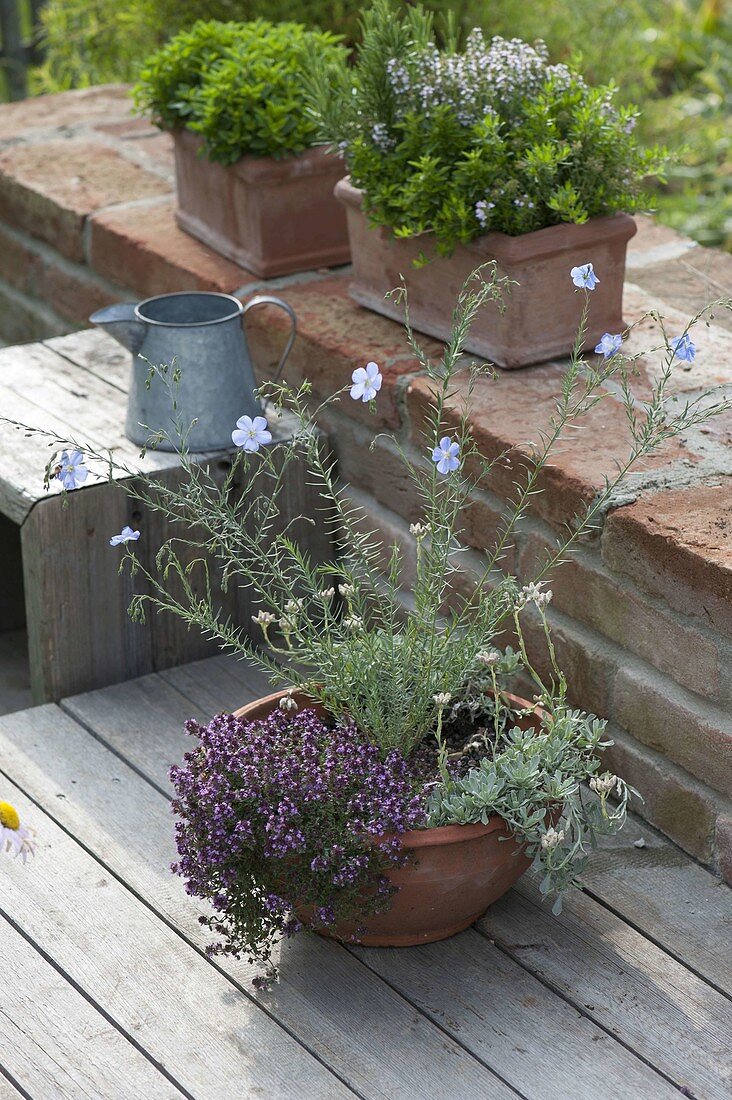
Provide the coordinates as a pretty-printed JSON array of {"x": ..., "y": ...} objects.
[
  {"x": 263, "y": 619},
  {"x": 353, "y": 622},
  {"x": 346, "y": 589},
  {"x": 488, "y": 657},
  {"x": 442, "y": 698},
  {"x": 603, "y": 784},
  {"x": 327, "y": 594},
  {"x": 552, "y": 837},
  {"x": 294, "y": 607},
  {"x": 419, "y": 530},
  {"x": 287, "y": 703}
]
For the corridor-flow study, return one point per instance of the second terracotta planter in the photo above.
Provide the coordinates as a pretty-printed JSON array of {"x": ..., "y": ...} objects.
[
  {"x": 542, "y": 312},
  {"x": 456, "y": 873},
  {"x": 273, "y": 217}
]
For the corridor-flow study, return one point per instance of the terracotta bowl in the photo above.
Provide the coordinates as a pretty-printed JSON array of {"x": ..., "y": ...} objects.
[{"x": 457, "y": 872}]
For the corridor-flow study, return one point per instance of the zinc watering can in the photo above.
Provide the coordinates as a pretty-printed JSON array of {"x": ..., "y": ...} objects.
[{"x": 203, "y": 334}]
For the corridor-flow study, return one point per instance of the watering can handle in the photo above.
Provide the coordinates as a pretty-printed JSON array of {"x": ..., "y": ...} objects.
[{"x": 269, "y": 300}]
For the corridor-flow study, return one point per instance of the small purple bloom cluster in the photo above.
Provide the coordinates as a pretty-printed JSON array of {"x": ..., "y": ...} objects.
[{"x": 289, "y": 815}]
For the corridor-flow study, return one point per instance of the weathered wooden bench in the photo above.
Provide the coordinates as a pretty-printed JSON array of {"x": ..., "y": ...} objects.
[{"x": 59, "y": 575}]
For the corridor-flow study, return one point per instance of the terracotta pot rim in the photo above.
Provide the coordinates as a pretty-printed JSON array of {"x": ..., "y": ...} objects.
[
  {"x": 414, "y": 838},
  {"x": 539, "y": 242},
  {"x": 316, "y": 160}
]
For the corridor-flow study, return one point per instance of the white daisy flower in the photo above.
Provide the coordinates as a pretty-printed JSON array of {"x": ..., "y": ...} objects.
[{"x": 15, "y": 838}]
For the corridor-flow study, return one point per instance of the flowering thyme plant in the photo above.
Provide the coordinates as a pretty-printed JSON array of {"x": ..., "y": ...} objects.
[
  {"x": 457, "y": 143},
  {"x": 273, "y": 816},
  {"x": 291, "y": 813}
]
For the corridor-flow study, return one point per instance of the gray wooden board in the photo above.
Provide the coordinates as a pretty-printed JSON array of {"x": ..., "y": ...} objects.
[
  {"x": 55, "y": 1043},
  {"x": 624, "y": 982},
  {"x": 348, "y": 1017},
  {"x": 210, "y": 1037},
  {"x": 96, "y": 709},
  {"x": 7, "y": 1090},
  {"x": 45, "y": 391},
  {"x": 95, "y": 351},
  {"x": 505, "y": 1016},
  {"x": 679, "y": 904}
]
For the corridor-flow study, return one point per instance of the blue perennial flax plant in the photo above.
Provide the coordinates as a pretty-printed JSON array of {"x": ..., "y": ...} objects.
[
  {"x": 295, "y": 820},
  {"x": 457, "y": 143}
]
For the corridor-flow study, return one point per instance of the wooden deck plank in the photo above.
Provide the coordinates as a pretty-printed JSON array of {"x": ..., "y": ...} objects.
[
  {"x": 46, "y": 391},
  {"x": 211, "y": 680},
  {"x": 8, "y": 1091},
  {"x": 658, "y": 889},
  {"x": 620, "y": 979},
  {"x": 506, "y": 1016},
  {"x": 55, "y": 1044},
  {"x": 95, "y": 351},
  {"x": 133, "y": 713},
  {"x": 183, "y": 1012},
  {"x": 376, "y": 1040},
  {"x": 221, "y": 683}
]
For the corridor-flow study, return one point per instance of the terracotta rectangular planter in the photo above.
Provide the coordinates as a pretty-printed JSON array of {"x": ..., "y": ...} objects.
[
  {"x": 542, "y": 312},
  {"x": 271, "y": 216}
]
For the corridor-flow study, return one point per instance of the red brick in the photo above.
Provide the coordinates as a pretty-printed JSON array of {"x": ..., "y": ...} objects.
[
  {"x": 334, "y": 337},
  {"x": 623, "y": 615},
  {"x": 49, "y": 189},
  {"x": 693, "y": 734},
  {"x": 672, "y": 800},
  {"x": 723, "y": 844},
  {"x": 588, "y": 666},
  {"x": 20, "y": 261},
  {"x": 65, "y": 110},
  {"x": 71, "y": 290},
  {"x": 511, "y": 411},
  {"x": 25, "y": 319},
  {"x": 677, "y": 544},
  {"x": 142, "y": 246}
]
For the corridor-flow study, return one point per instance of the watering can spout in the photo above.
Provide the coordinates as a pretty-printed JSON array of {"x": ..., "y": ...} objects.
[{"x": 121, "y": 322}]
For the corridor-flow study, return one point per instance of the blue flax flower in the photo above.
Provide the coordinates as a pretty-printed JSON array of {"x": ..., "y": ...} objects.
[
  {"x": 251, "y": 434},
  {"x": 366, "y": 382},
  {"x": 445, "y": 456},
  {"x": 609, "y": 345},
  {"x": 71, "y": 470},
  {"x": 683, "y": 348},
  {"x": 584, "y": 277},
  {"x": 126, "y": 535}
]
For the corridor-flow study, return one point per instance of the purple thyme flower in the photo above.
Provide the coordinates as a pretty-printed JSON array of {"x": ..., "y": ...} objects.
[
  {"x": 446, "y": 455},
  {"x": 584, "y": 277},
  {"x": 609, "y": 345},
  {"x": 366, "y": 382},
  {"x": 126, "y": 535},
  {"x": 71, "y": 471},
  {"x": 683, "y": 348},
  {"x": 289, "y": 815},
  {"x": 251, "y": 434}
]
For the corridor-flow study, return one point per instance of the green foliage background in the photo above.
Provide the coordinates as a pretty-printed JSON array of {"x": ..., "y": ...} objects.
[{"x": 673, "y": 57}]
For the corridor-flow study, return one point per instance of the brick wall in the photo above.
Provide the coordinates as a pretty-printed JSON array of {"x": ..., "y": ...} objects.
[{"x": 642, "y": 614}]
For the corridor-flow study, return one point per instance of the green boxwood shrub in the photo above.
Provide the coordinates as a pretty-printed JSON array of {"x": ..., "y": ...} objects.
[{"x": 238, "y": 85}]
